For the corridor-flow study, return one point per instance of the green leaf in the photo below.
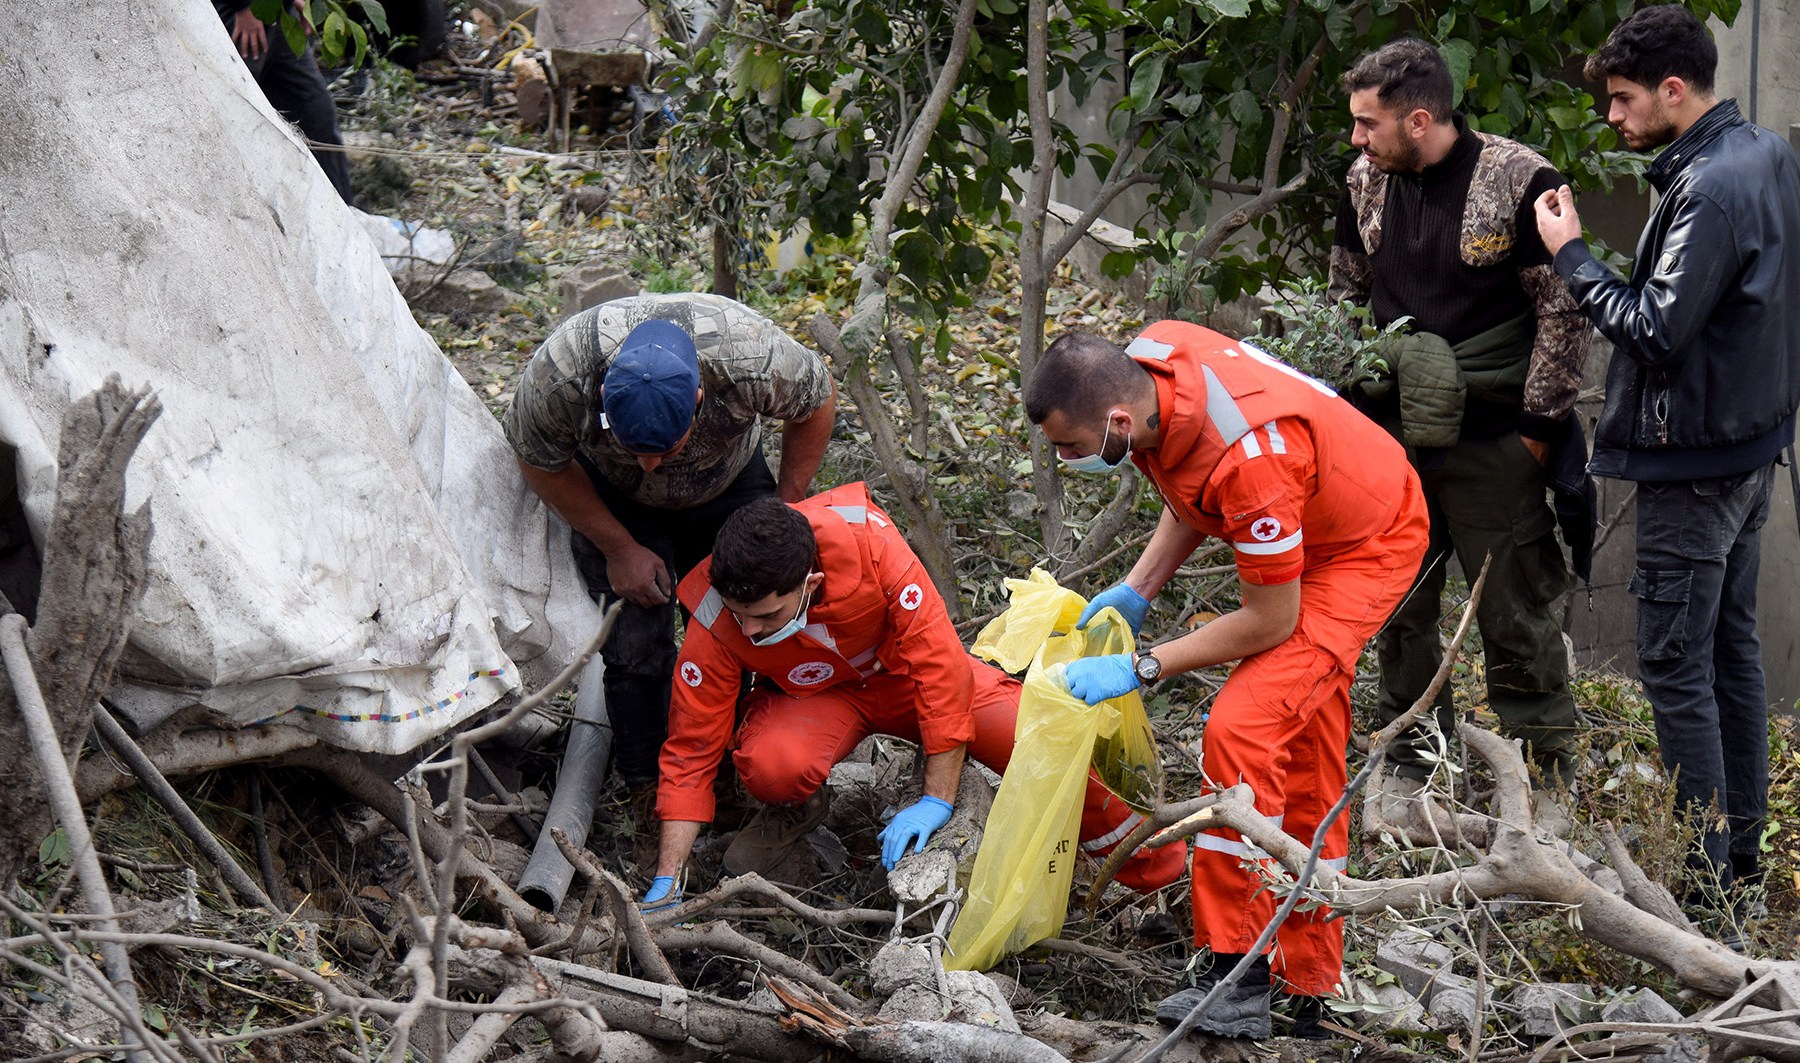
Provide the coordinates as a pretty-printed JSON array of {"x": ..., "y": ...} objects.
[
  {"x": 1230, "y": 8},
  {"x": 1147, "y": 78},
  {"x": 1117, "y": 265},
  {"x": 155, "y": 1019},
  {"x": 54, "y": 849},
  {"x": 1566, "y": 117},
  {"x": 1458, "y": 54},
  {"x": 376, "y": 14}
]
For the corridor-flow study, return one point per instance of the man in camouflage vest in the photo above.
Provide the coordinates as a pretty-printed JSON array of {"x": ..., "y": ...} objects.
[
  {"x": 638, "y": 422},
  {"x": 1436, "y": 225}
]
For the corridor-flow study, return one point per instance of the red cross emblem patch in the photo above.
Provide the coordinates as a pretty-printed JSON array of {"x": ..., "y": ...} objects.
[
  {"x": 811, "y": 673},
  {"x": 911, "y": 597},
  {"x": 690, "y": 673},
  {"x": 1265, "y": 529}
]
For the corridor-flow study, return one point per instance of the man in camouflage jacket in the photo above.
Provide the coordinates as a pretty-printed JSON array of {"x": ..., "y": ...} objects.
[
  {"x": 639, "y": 422},
  {"x": 1436, "y": 225}
]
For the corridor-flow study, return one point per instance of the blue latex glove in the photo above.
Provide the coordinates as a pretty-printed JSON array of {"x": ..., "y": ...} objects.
[
  {"x": 1096, "y": 679},
  {"x": 1130, "y": 604},
  {"x": 912, "y": 826},
  {"x": 663, "y": 893}
]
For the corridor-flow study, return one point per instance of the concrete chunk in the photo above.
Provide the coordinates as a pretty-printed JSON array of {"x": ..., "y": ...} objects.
[
  {"x": 1400, "y": 1010},
  {"x": 1645, "y": 1006},
  {"x": 594, "y": 283},
  {"x": 1451, "y": 1005},
  {"x": 1414, "y": 957},
  {"x": 1547, "y": 1008}
]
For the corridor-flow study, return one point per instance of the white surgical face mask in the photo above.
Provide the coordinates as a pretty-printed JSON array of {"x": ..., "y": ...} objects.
[
  {"x": 787, "y": 630},
  {"x": 1097, "y": 462}
]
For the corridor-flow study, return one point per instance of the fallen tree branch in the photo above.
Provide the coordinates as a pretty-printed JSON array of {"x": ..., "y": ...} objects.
[{"x": 159, "y": 789}]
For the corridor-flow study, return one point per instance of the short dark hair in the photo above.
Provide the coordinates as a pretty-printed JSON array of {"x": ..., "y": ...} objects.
[
  {"x": 1407, "y": 75},
  {"x": 1656, "y": 43},
  {"x": 766, "y": 547},
  {"x": 1082, "y": 375}
]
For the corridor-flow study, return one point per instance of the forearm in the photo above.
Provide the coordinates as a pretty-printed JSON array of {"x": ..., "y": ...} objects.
[
  {"x": 943, "y": 773},
  {"x": 1266, "y": 620},
  {"x": 803, "y": 445},
  {"x": 569, "y": 492},
  {"x": 1171, "y": 544},
  {"x": 678, "y": 838}
]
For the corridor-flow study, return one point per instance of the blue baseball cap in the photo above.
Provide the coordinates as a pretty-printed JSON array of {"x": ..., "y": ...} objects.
[{"x": 647, "y": 397}]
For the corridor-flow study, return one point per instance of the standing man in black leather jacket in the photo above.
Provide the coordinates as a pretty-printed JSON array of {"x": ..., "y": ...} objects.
[{"x": 1700, "y": 400}]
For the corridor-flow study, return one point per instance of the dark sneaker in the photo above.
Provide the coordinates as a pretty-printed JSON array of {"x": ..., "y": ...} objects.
[
  {"x": 770, "y": 844},
  {"x": 1243, "y": 1011}
]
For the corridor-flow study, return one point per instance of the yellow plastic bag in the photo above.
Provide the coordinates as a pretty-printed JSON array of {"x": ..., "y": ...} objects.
[
  {"x": 1019, "y": 890},
  {"x": 1036, "y": 607}
]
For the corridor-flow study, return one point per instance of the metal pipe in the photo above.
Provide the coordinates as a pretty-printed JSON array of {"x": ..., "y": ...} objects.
[{"x": 545, "y": 880}]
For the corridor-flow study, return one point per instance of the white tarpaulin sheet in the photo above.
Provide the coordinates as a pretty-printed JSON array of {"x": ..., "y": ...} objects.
[{"x": 341, "y": 535}]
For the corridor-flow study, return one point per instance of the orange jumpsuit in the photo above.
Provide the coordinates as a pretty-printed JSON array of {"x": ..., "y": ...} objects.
[
  {"x": 1303, "y": 487},
  {"x": 878, "y": 655}
]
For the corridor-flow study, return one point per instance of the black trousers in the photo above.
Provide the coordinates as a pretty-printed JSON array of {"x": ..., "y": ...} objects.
[
  {"x": 1699, "y": 548},
  {"x": 640, "y": 652}
]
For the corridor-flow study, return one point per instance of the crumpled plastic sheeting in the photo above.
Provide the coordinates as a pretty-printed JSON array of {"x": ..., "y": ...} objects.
[{"x": 341, "y": 535}]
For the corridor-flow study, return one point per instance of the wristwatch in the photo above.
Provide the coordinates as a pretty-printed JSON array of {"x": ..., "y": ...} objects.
[{"x": 1147, "y": 667}]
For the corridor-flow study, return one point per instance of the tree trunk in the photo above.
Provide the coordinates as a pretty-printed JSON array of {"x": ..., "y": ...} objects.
[{"x": 93, "y": 578}]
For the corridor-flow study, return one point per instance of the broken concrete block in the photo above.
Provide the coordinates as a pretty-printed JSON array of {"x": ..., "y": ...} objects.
[
  {"x": 900, "y": 963},
  {"x": 980, "y": 1001},
  {"x": 1414, "y": 957},
  {"x": 1400, "y": 1010},
  {"x": 1546, "y": 1008},
  {"x": 594, "y": 283},
  {"x": 467, "y": 290},
  {"x": 1451, "y": 1004},
  {"x": 1646, "y": 1006},
  {"x": 1641, "y": 1006}
]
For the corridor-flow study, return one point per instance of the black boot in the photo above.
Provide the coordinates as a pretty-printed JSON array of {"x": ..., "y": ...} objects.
[{"x": 1242, "y": 1011}]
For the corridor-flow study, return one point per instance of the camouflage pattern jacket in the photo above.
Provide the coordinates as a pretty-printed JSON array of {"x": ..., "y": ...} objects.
[{"x": 1503, "y": 180}]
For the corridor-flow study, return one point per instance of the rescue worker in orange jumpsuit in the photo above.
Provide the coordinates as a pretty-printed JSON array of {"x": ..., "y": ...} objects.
[
  {"x": 1328, "y": 526},
  {"x": 828, "y": 606}
]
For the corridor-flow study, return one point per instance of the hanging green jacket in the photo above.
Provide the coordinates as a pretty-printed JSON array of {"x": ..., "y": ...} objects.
[{"x": 1436, "y": 381}]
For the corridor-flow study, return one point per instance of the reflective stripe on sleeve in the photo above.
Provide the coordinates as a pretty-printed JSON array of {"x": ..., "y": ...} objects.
[
  {"x": 1114, "y": 836},
  {"x": 1279, "y": 546}
]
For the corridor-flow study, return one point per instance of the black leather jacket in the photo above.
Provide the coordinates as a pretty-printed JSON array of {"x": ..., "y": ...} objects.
[{"x": 1705, "y": 374}]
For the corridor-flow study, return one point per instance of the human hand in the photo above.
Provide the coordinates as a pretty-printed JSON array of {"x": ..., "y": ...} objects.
[
  {"x": 663, "y": 893},
  {"x": 1538, "y": 448},
  {"x": 1557, "y": 221},
  {"x": 913, "y": 826},
  {"x": 248, "y": 34},
  {"x": 1097, "y": 679},
  {"x": 639, "y": 576},
  {"x": 1130, "y": 604}
]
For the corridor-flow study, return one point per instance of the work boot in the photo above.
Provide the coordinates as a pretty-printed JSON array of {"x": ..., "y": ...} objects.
[
  {"x": 1303, "y": 1014},
  {"x": 1242, "y": 1011},
  {"x": 770, "y": 845}
]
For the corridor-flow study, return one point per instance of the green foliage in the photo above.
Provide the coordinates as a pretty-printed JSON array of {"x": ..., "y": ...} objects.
[
  {"x": 791, "y": 119},
  {"x": 1337, "y": 342},
  {"x": 343, "y": 41}
]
